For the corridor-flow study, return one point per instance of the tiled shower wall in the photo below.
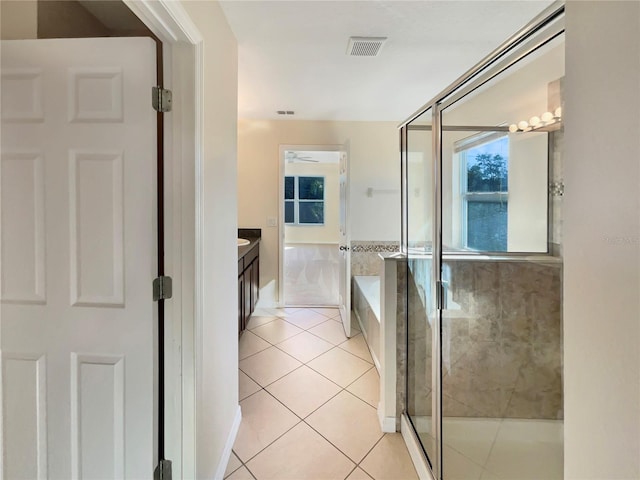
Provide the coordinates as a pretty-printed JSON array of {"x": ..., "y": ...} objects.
[
  {"x": 502, "y": 346},
  {"x": 365, "y": 259}
]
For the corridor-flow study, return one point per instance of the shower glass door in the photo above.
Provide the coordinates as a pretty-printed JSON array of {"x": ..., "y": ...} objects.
[
  {"x": 482, "y": 232},
  {"x": 501, "y": 329},
  {"x": 421, "y": 311}
]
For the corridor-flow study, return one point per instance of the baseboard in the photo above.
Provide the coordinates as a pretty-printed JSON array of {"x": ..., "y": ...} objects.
[
  {"x": 415, "y": 451},
  {"x": 231, "y": 439},
  {"x": 387, "y": 424}
]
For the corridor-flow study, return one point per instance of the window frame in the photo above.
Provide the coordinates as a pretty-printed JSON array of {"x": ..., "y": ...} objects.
[
  {"x": 461, "y": 149},
  {"x": 296, "y": 200}
]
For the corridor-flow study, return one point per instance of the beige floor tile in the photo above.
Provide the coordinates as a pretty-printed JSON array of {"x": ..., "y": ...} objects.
[
  {"x": 298, "y": 455},
  {"x": 276, "y": 331},
  {"x": 263, "y": 420},
  {"x": 348, "y": 423},
  {"x": 339, "y": 366},
  {"x": 248, "y": 344},
  {"x": 258, "y": 320},
  {"x": 305, "y": 346},
  {"x": 367, "y": 387},
  {"x": 489, "y": 476},
  {"x": 303, "y": 390},
  {"x": 359, "y": 474},
  {"x": 358, "y": 346},
  {"x": 472, "y": 437},
  {"x": 268, "y": 366},
  {"x": 306, "y": 319},
  {"x": 327, "y": 312},
  {"x": 330, "y": 331},
  {"x": 458, "y": 467},
  {"x": 247, "y": 386},
  {"x": 389, "y": 460},
  {"x": 528, "y": 449},
  {"x": 233, "y": 465},
  {"x": 241, "y": 474}
]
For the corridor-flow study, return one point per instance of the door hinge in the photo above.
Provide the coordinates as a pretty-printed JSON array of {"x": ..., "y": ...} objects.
[
  {"x": 161, "y": 99},
  {"x": 162, "y": 288},
  {"x": 163, "y": 470}
]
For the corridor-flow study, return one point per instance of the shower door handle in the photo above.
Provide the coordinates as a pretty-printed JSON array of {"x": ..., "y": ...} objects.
[
  {"x": 344, "y": 248},
  {"x": 441, "y": 289}
]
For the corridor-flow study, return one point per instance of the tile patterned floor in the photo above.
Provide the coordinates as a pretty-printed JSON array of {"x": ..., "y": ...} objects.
[
  {"x": 498, "y": 449},
  {"x": 309, "y": 397}
]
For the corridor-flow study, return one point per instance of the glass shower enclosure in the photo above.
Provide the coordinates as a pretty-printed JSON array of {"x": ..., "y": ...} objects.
[{"x": 482, "y": 215}]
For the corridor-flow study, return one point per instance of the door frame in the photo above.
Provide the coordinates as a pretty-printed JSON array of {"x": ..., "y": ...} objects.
[
  {"x": 281, "y": 226},
  {"x": 183, "y": 141}
]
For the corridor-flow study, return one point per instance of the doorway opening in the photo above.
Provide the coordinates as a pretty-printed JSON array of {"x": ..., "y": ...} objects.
[{"x": 311, "y": 229}]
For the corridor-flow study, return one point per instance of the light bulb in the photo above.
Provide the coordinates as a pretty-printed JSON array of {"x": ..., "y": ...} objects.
[
  {"x": 533, "y": 121},
  {"x": 547, "y": 116},
  {"x": 523, "y": 124},
  {"x": 513, "y": 128},
  {"x": 558, "y": 112}
]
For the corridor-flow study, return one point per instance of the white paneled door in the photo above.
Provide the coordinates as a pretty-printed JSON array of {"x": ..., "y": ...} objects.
[
  {"x": 345, "y": 245},
  {"x": 78, "y": 180}
]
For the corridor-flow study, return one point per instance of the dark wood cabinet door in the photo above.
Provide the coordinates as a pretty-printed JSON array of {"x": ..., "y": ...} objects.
[
  {"x": 247, "y": 293},
  {"x": 241, "y": 322},
  {"x": 255, "y": 283}
]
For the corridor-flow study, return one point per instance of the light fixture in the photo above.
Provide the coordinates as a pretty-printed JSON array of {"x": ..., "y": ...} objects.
[{"x": 535, "y": 122}]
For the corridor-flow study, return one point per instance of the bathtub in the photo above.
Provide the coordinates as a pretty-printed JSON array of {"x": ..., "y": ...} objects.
[{"x": 366, "y": 309}]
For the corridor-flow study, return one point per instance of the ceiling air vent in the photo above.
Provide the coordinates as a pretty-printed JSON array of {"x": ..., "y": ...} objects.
[{"x": 365, "y": 46}]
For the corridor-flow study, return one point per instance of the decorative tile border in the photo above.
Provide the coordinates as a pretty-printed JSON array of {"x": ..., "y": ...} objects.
[{"x": 375, "y": 247}]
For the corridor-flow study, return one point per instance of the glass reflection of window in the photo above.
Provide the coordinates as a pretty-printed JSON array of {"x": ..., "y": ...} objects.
[
  {"x": 485, "y": 171},
  {"x": 304, "y": 200}
]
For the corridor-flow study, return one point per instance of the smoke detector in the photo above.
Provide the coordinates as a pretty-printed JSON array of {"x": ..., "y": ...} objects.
[{"x": 365, "y": 46}]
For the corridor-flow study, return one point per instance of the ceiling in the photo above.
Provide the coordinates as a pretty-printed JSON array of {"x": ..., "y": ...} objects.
[{"x": 292, "y": 53}]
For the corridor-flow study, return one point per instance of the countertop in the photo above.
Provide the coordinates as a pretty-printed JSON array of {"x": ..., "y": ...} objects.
[
  {"x": 243, "y": 250},
  {"x": 251, "y": 234}
]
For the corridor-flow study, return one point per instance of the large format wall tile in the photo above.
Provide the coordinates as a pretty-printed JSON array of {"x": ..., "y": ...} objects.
[{"x": 501, "y": 334}]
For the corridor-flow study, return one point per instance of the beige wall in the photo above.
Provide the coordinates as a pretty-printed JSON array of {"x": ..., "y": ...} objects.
[
  {"x": 19, "y": 19},
  {"x": 65, "y": 19},
  {"x": 602, "y": 241},
  {"x": 374, "y": 162},
  {"x": 217, "y": 374},
  {"x": 330, "y": 231}
]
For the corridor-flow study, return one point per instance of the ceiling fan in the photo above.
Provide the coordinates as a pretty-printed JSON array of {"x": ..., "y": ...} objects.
[{"x": 294, "y": 157}]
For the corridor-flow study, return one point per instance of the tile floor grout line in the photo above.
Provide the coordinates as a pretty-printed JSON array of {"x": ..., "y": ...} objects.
[
  {"x": 298, "y": 417},
  {"x": 368, "y": 370},
  {"x": 310, "y": 360},
  {"x": 345, "y": 337},
  {"x": 320, "y": 373},
  {"x": 495, "y": 439},
  {"x": 373, "y": 364},
  {"x": 331, "y": 443},
  {"x": 304, "y": 420},
  {"x": 369, "y": 453},
  {"x": 271, "y": 443}
]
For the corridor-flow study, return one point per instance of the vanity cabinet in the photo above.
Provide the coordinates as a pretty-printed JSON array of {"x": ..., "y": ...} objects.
[{"x": 248, "y": 284}]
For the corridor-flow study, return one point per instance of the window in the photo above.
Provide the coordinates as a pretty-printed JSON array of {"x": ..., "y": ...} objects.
[
  {"x": 485, "y": 172},
  {"x": 304, "y": 200}
]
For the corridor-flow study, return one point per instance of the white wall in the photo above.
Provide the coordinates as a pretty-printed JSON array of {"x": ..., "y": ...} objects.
[
  {"x": 217, "y": 372},
  {"x": 374, "y": 157},
  {"x": 330, "y": 231},
  {"x": 602, "y": 241}
]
